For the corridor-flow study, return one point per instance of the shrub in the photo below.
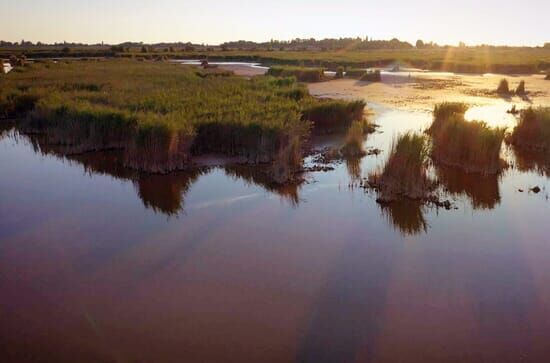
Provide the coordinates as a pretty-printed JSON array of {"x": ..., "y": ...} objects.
[
  {"x": 404, "y": 174},
  {"x": 470, "y": 145},
  {"x": 503, "y": 88},
  {"x": 547, "y": 76},
  {"x": 533, "y": 129}
]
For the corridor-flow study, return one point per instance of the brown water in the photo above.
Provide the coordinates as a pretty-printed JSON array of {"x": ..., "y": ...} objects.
[{"x": 100, "y": 264}]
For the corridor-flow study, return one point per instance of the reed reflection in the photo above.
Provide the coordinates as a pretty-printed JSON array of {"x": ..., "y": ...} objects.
[
  {"x": 483, "y": 191},
  {"x": 406, "y": 216},
  {"x": 530, "y": 160}
]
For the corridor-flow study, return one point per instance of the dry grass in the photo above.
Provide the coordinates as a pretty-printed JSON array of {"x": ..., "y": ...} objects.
[
  {"x": 470, "y": 145},
  {"x": 404, "y": 174}
]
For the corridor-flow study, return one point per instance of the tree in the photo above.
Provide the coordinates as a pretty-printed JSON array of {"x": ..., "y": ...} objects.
[{"x": 419, "y": 44}]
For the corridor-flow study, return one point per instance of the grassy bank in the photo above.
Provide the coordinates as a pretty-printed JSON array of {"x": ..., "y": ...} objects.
[
  {"x": 404, "y": 174},
  {"x": 470, "y": 145},
  {"x": 162, "y": 114}
]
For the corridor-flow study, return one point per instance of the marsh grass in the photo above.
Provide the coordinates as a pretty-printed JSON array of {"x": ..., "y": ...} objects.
[
  {"x": 470, "y": 145},
  {"x": 302, "y": 74},
  {"x": 533, "y": 129},
  {"x": 404, "y": 174},
  {"x": 161, "y": 114},
  {"x": 355, "y": 73},
  {"x": 152, "y": 110}
]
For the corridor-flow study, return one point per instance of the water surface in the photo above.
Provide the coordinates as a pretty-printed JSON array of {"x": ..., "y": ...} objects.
[{"x": 102, "y": 264}]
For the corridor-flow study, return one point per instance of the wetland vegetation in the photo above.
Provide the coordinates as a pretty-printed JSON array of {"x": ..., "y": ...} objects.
[{"x": 161, "y": 114}]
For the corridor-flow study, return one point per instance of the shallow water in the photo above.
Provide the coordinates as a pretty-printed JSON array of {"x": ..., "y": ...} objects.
[{"x": 100, "y": 264}]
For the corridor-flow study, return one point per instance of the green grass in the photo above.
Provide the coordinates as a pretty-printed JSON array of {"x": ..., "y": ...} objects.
[
  {"x": 533, "y": 129},
  {"x": 470, "y": 145},
  {"x": 404, "y": 174},
  {"x": 302, "y": 74}
]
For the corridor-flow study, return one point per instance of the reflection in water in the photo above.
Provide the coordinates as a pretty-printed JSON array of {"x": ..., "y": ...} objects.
[
  {"x": 353, "y": 165},
  {"x": 252, "y": 175},
  {"x": 406, "y": 216},
  {"x": 528, "y": 160},
  {"x": 165, "y": 193},
  {"x": 161, "y": 193},
  {"x": 483, "y": 191}
]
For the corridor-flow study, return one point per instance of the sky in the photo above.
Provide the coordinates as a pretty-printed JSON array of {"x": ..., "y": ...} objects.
[{"x": 215, "y": 21}]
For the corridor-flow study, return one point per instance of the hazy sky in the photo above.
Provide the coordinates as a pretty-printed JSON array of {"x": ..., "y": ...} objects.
[{"x": 215, "y": 21}]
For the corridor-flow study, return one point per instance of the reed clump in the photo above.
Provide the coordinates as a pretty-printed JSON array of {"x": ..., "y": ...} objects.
[
  {"x": 533, "y": 129},
  {"x": 330, "y": 116},
  {"x": 302, "y": 74},
  {"x": 404, "y": 175},
  {"x": 470, "y": 145},
  {"x": 503, "y": 88}
]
